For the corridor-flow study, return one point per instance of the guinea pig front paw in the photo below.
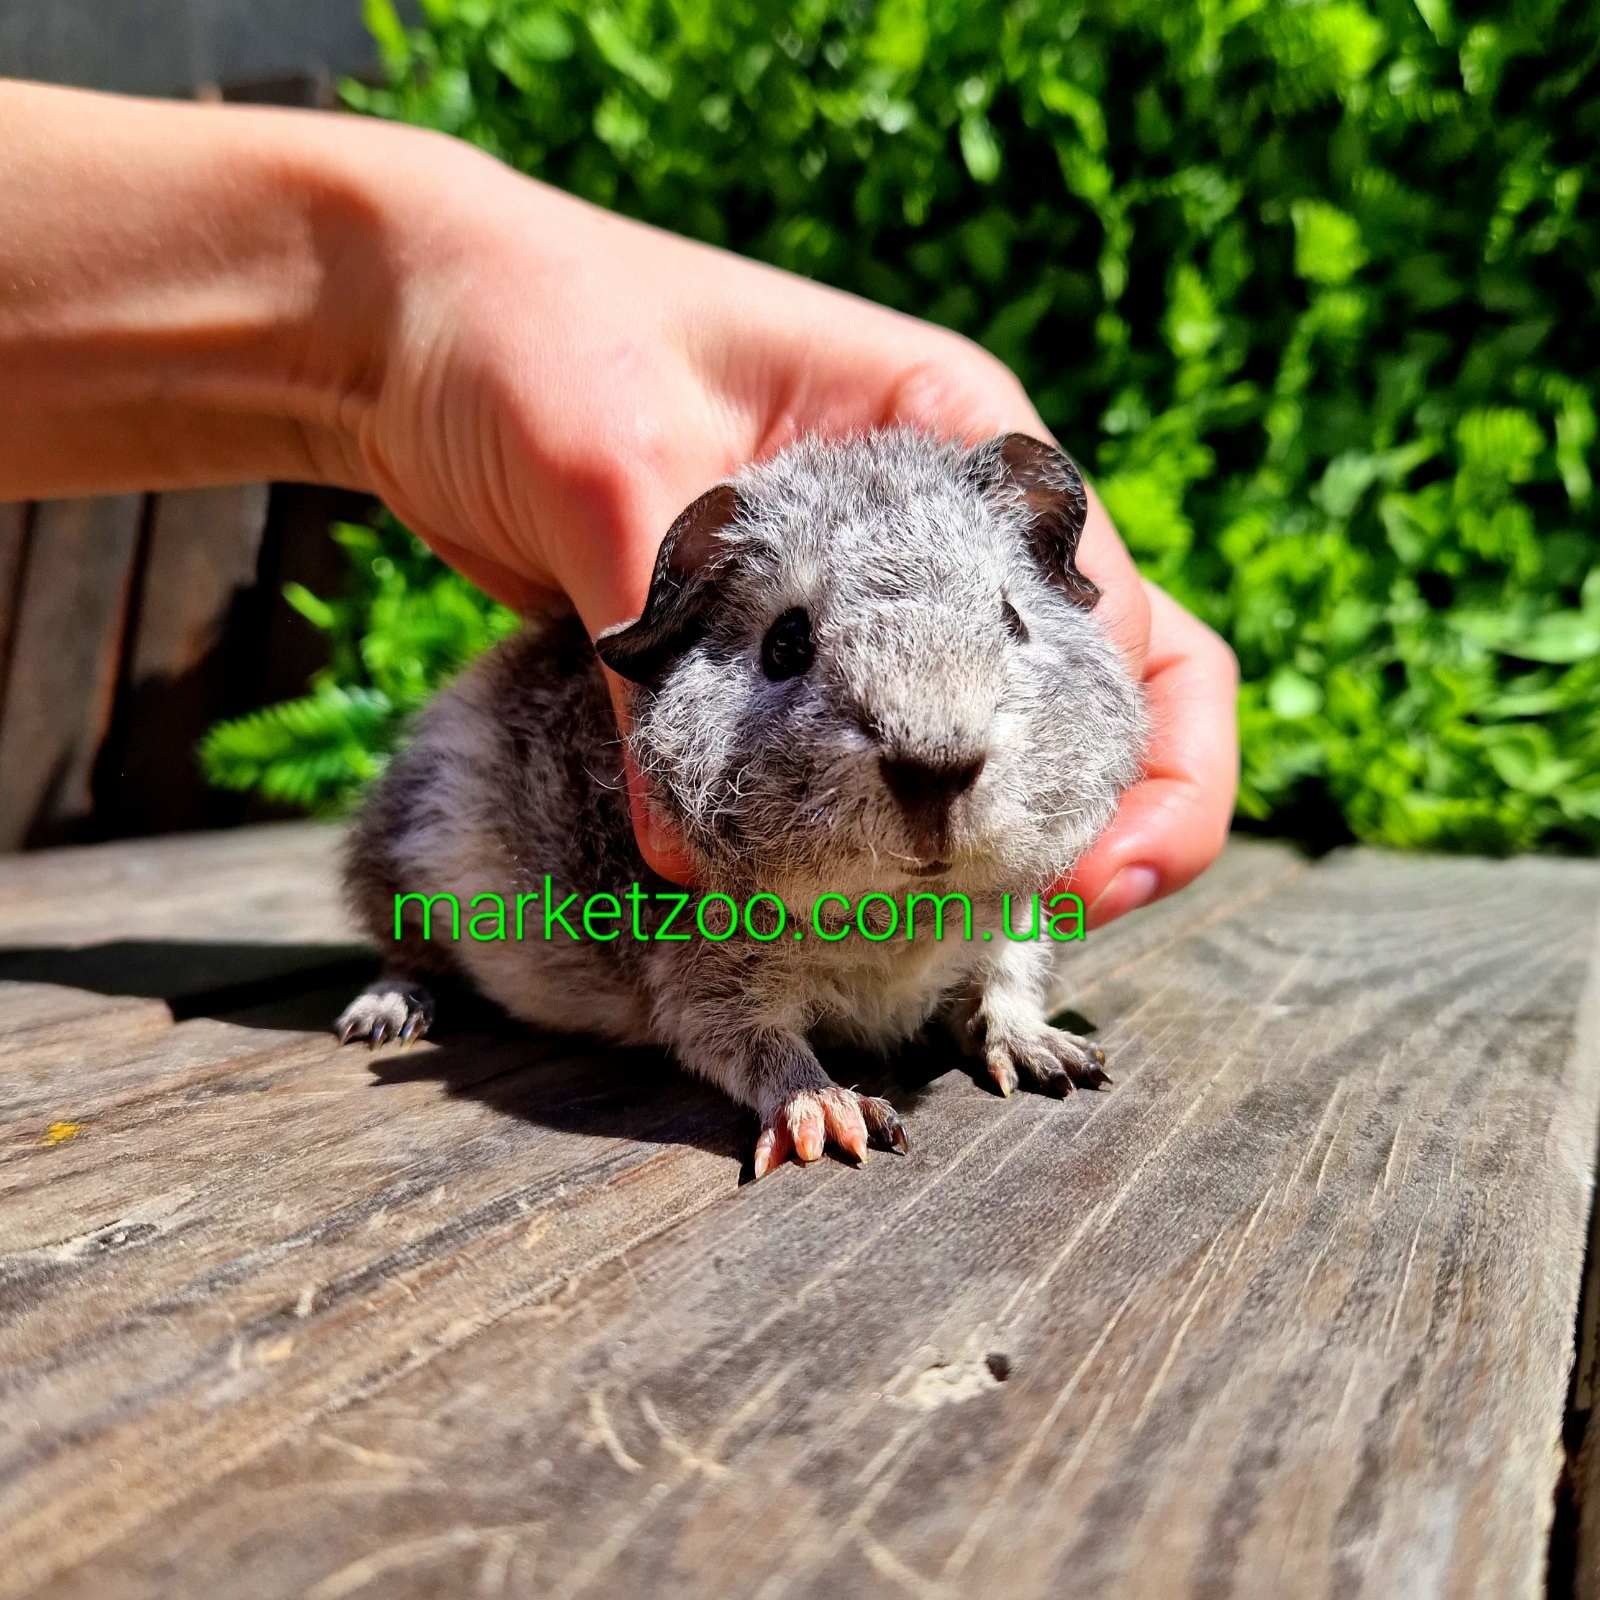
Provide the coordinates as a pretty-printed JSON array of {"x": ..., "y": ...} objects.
[
  {"x": 391, "y": 1008},
  {"x": 1048, "y": 1059},
  {"x": 810, "y": 1119}
]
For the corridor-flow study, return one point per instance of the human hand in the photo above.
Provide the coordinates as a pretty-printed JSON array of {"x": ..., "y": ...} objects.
[{"x": 564, "y": 381}]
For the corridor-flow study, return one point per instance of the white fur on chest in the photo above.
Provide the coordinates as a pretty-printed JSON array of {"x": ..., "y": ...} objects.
[{"x": 878, "y": 993}]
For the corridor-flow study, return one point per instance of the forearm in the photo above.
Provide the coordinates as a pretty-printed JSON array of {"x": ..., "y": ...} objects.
[{"x": 188, "y": 294}]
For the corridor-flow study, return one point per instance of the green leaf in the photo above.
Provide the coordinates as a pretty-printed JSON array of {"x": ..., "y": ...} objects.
[
  {"x": 388, "y": 33},
  {"x": 1192, "y": 325},
  {"x": 899, "y": 38},
  {"x": 1501, "y": 443},
  {"x": 1524, "y": 758},
  {"x": 315, "y": 610},
  {"x": 980, "y": 149},
  {"x": 1563, "y": 636},
  {"x": 616, "y": 45},
  {"x": 1327, "y": 242},
  {"x": 543, "y": 35},
  {"x": 1292, "y": 694}
]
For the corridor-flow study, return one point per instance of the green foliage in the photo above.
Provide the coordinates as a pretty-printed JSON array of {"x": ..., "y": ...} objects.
[
  {"x": 1310, "y": 287},
  {"x": 405, "y": 625}
]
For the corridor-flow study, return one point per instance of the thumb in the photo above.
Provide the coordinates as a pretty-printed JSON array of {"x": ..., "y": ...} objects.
[
  {"x": 659, "y": 843},
  {"x": 608, "y": 582}
]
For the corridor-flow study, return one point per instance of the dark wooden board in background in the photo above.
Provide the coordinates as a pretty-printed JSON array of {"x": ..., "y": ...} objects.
[
  {"x": 128, "y": 627},
  {"x": 1289, "y": 1311},
  {"x": 14, "y": 520},
  {"x": 69, "y": 626},
  {"x": 170, "y": 46},
  {"x": 201, "y": 616}
]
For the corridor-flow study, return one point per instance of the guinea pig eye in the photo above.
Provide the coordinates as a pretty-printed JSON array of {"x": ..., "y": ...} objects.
[
  {"x": 787, "y": 650},
  {"x": 1015, "y": 626}
]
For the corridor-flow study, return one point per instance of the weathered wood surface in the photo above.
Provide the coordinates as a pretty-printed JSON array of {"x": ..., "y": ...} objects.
[
  {"x": 1290, "y": 1311},
  {"x": 1579, "y": 1497},
  {"x": 13, "y": 552},
  {"x": 65, "y": 659},
  {"x": 201, "y": 617}
]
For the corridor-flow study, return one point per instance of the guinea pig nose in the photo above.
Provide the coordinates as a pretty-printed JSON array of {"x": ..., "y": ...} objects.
[{"x": 923, "y": 786}]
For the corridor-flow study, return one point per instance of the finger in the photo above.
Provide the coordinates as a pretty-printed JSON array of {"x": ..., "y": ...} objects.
[
  {"x": 662, "y": 847},
  {"x": 1171, "y": 825},
  {"x": 612, "y": 588}
]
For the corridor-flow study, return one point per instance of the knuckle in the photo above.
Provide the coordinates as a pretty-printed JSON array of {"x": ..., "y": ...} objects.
[{"x": 958, "y": 382}]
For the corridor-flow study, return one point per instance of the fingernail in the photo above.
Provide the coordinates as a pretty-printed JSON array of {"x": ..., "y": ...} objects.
[{"x": 1131, "y": 888}]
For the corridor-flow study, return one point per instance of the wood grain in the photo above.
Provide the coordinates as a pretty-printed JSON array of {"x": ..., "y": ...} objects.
[
  {"x": 302, "y": 551},
  {"x": 1576, "y": 1547},
  {"x": 1288, "y": 1311},
  {"x": 65, "y": 657},
  {"x": 199, "y": 625},
  {"x": 13, "y": 554}
]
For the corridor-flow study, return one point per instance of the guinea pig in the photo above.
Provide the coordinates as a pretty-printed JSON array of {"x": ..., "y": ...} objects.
[{"x": 869, "y": 690}]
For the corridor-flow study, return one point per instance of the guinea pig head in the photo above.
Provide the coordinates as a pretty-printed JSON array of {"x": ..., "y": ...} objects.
[{"x": 872, "y": 663}]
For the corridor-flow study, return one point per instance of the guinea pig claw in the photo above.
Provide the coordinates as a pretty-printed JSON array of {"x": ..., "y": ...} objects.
[
  {"x": 884, "y": 1126},
  {"x": 774, "y": 1147},
  {"x": 1002, "y": 1072}
]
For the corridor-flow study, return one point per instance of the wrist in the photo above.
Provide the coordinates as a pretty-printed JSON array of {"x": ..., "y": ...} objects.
[{"x": 362, "y": 198}]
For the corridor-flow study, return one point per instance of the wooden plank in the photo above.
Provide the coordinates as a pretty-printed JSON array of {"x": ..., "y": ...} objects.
[
  {"x": 65, "y": 658},
  {"x": 121, "y": 938},
  {"x": 303, "y": 553},
  {"x": 1575, "y": 1544},
  {"x": 169, "y": 46},
  {"x": 198, "y": 630},
  {"x": 279, "y": 879},
  {"x": 13, "y": 552},
  {"x": 343, "y": 1147},
  {"x": 1288, "y": 1311}
]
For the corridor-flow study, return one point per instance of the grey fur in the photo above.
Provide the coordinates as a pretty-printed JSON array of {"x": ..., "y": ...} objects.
[{"x": 903, "y": 551}]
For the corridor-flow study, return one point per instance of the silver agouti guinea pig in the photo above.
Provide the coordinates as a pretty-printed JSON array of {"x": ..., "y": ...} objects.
[{"x": 866, "y": 667}]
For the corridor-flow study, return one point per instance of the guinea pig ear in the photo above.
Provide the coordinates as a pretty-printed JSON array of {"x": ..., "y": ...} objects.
[
  {"x": 681, "y": 592},
  {"x": 1054, "y": 498}
]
